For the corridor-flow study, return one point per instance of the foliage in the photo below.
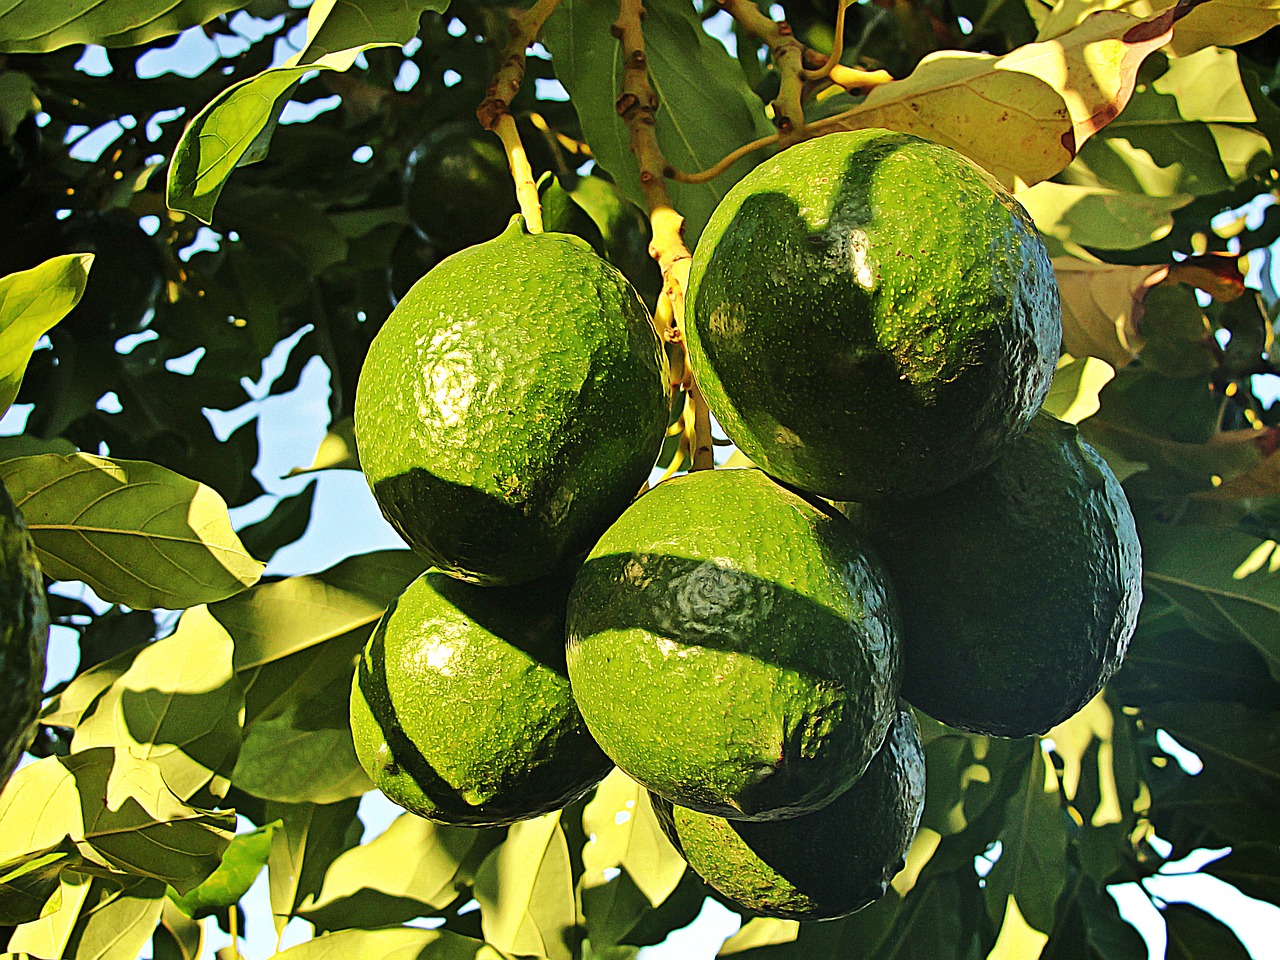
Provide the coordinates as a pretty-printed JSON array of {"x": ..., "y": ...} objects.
[{"x": 1141, "y": 136}]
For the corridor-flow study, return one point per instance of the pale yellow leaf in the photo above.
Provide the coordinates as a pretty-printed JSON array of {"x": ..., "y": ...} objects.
[{"x": 1102, "y": 307}]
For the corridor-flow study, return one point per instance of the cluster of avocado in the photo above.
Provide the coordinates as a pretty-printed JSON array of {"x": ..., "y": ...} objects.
[{"x": 875, "y": 323}]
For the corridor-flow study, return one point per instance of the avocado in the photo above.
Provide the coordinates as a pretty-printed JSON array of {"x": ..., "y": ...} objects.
[
  {"x": 24, "y": 636},
  {"x": 869, "y": 314}
]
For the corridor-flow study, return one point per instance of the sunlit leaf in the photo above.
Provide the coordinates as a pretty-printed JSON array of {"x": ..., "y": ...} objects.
[
  {"x": 337, "y": 450},
  {"x": 525, "y": 890},
  {"x": 1073, "y": 394},
  {"x": 412, "y": 868},
  {"x": 308, "y": 840},
  {"x": 31, "y": 302},
  {"x": 394, "y": 943},
  {"x": 1024, "y": 115},
  {"x": 1099, "y": 217},
  {"x": 136, "y": 532},
  {"x": 1102, "y": 307},
  {"x": 103, "y": 919},
  {"x": 36, "y": 26}
]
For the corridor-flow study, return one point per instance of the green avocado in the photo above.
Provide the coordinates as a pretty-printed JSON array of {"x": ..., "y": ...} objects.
[
  {"x": 511, "y": 406},
  {"x": 822, "y": 865},
  {"x": 24, "y": 636},
  {"x": 869, "y": 314},
  {"x": 733, "y": 647},
  {"x": 460, "y": 707},
  {"x": 1019, "y": 587}
]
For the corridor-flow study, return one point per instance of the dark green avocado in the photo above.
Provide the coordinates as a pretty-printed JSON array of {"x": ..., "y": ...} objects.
[
  {"x": 1019, "y": 587},
  {"x": 511, "y": 406},
  {"x": 733, "y": 647},
  {"x": 24, "y": 636},
  {"x": 822, "y": 865},
  {"x": 871, "y": 315},
  {"x": 460, "y": 707}
]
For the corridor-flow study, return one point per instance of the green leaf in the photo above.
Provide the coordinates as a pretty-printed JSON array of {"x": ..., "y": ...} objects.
[
  {"x": 31, "y": 302},
  {"x": 1253, "y": 869},
  {"x": 334, "y": 27},
  {"x": 1195, "y": 935},
  {"x": 178, "y": 705},
  {"x": 178, "y": 937},
  {"x": 118, "y": 812},
  {"x": 396, "y": 943},
  {"x": 1027, "y": 879},
  {"x": 706, "y": 111},
  {"x": 1226, "y": 582},
  {"x": 137, "y": 533},
  {"x": 35, "y": 26},
  {"x": 1099, "y": 217},
  {"x": 623, "y": 834},
  {"x": 286, "y": 523},
  {"x": 100, "y": 919},
  {"x": 310, "y": 838},
  {"x": 525, "y": 890},
  {"x": 276, "y": 619},
  {"x": 297, "y": 743},
  {"x": 27, "y": 886},
  {"x": 412, "y": 869},
  {"x": 337, "y": 450},
  {"x": 243, "y": 860},
  {"x": 1242, "y": 744}
]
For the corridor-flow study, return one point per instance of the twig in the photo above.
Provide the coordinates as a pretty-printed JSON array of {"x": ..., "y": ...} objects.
[
  {"x": 637, "y": 104},
  {"x": 721, "y": 166},
  {"x": 837, "y": 47},
  {"x": 788, "y": 60},
  {"x": 494, "y": 112}
]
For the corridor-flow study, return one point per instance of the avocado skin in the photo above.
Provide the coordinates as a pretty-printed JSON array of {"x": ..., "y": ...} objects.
[
  {"x": 24, "y": 636},
  {"x": 461, "y": 708},
  {"x": 869, "y": 314},
  {"x": 511, "y": 406},
  {"x": 734, "y": 648},
  {"x": 1019, "y": 587},
  {"x": 822, "y": 865}
]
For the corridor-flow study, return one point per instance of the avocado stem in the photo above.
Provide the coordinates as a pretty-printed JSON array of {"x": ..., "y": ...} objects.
[{"x": 521, "y": 172}]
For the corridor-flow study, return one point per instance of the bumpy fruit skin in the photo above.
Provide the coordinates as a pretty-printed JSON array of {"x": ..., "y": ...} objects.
[
  {"x": 24, "y": 636},
  {"x": 1019, "y": 587},
  {"x": 460, "y": 707},
  {"x": 822, "y": 865},
  {"x": 511, "y": 406},
  {"x": 870, "y": 314},
  {"x": 734, "y": 648}
]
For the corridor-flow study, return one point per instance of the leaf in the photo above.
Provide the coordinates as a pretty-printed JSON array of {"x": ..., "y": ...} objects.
[
  {"x": 178, "y": 705},
  {"x": 178, "y": 937},
  {"x": 629, "y": 866},
  {"x": 1073, "y": 394},
  {"x": 1226, "y": 581},
  {"x": 1024, "y": 115},
  {"x": 31, "y": 302},
  {"x": 235, "y": 128},
  {"x": 1253, "y": 869},
  {"x": 337, "y": 450},
  {"x": 36, "y": 26},
  {"x": 310, "y": 837},
  {"x": 243, "y": 860},
  {"x": 412, "y": 869},
  {"x": 137, "y": 533},
  {"x": 1102, "y": 307},
  {"x": 1195, "y": 934},
  {"x": 525, "y": 890},
  {"x": 276, "y": 619},
  {"x": 103, "y": 919},
  {"x": 27, "y": 886},
  {"x": 1023, "y": 886},
  {"x": 395, "y": 943},
  {"x": 706, "y": 110},
  {"x": 119, "y": 814},
  {"x": 1099, "y": 217},
  {"x": 1241, "y": 744},
  {"x": 286, "y": 523},
  {"x": 1224, "y": 23}
]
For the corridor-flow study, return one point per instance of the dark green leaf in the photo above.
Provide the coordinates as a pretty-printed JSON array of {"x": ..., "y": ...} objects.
[
  {"x": 1254, "y": 869},
  {"x": 707, "y": 109},
  {"x": 1195, "y": 935},
  {"x": 310, "y": 838},
  {"x": 287, "y": 521}
]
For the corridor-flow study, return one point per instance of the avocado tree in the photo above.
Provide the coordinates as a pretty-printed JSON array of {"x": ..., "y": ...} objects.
[{"x": 190, "y": 187}]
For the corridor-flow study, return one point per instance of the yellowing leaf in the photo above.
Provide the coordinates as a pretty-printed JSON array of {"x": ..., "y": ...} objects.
[
  {"x": 1224, "y": 23},
  {"x": 1073, "y": 395},
  {"x": 32, "y": 301},
  {"x": 1102, "y": 307},
  {"x": 139, "y": 534},
  {"x": 1024, "y": 115}
]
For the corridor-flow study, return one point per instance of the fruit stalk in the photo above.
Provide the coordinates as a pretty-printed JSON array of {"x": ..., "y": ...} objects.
[
  {"x": 788, "y": 60},
  {"x": 637, "y": 104},
  {"x": 494, "y": 111}
]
